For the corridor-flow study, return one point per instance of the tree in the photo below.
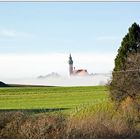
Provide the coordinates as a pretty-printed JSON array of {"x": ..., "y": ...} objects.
[
  {"x": 127, "y": 83},
  {"x": 130, "y": 44},
  {"x": 126, "y": 74}
]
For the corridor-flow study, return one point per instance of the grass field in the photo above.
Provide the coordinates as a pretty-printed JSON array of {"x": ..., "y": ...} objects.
[
  {"x": 61, "y": 98},
  {"x": 87, "y": 112}
]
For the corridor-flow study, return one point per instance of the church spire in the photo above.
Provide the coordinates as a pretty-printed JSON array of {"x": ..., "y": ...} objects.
[
  {"x": 70, "y": 65},
  {"x": 70, "y": 60}
]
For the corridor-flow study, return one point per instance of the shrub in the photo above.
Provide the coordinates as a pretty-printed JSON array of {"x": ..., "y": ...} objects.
[
  {"x": 103, "y": 122},
  {"x": 23, "y": 125}
]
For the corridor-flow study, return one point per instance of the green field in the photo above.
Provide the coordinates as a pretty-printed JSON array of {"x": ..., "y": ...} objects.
[
  {"x": 64, "y": 112},
  {"x": 61, "y": 98}
]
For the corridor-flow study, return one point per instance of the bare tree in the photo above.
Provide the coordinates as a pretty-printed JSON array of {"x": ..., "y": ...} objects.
[{"x": 127, "y": 82}]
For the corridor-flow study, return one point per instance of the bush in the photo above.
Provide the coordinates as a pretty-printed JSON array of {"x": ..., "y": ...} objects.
[
  {"x": 22, "y": 125},
  {"x": 103, "y": 122},
  {"x": 100, "y": 121}
]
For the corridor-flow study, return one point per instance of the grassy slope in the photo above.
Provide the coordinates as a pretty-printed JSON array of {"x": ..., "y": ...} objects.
[{"x": 50, "y": 97}]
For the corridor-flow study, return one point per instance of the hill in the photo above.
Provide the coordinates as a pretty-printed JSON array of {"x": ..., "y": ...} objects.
[
  {"x": 3, "y": 84},
  {"x": 50, "y": 75}
]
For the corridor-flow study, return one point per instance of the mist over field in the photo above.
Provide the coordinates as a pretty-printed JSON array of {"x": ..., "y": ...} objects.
[
  {"x": 53, "y": 69},
  {"x": 62, "y": 81}
]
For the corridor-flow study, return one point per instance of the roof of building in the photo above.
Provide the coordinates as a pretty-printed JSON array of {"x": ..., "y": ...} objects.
[{"x": 80, "y": 72}]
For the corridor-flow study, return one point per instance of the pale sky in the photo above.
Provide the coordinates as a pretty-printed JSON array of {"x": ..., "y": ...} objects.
[{"x": 36, "y": 38}]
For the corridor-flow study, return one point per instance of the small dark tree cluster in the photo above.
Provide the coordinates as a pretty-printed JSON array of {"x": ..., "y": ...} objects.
[
  {"x": 126, "y": 74},
  {"x": 3, "y": 84}
]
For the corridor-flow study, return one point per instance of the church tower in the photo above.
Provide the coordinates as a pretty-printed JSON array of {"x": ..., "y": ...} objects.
[{"x": 70, "y": 65}]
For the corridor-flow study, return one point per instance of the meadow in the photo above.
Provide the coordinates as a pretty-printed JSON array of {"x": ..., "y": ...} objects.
[
  {"x": 53, "y": 98},
  {"x": 64, "y": 112}
]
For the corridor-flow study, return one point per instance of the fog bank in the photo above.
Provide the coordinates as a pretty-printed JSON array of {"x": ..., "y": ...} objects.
[{"x": 62, "y": 81}]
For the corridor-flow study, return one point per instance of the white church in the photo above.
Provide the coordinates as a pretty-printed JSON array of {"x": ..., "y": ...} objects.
[{"x": 73, "y": 71}]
